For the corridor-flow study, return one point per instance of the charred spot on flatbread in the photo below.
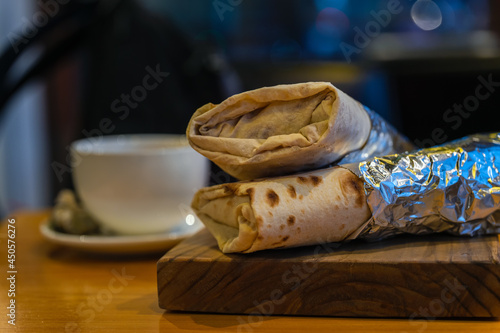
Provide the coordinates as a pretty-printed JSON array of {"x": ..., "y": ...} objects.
[
  {"x": 302, "y": 180},
  {"x": 354, "y": 186},
  {"x": 250, "y": 192},
  {"x": 291, "y": 191},
  {"x": 280, "y": 242},
  {"x": 313, "y": 180},
  {"x": 272, "y": 198},
  {"x": 290, "y": 220},
  {"x": 230, "y": 188},
  {"x": 316, "y": 180}
]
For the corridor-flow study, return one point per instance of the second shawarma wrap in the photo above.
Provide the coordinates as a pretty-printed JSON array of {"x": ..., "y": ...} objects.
[
  {"x": 453, "y": 188},
  {"x": 279, "y": 130},
  {"x": 315, "y": 207}
]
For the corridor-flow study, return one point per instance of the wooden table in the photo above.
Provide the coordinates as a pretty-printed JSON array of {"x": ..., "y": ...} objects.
[{"x": 59, "y": 289}]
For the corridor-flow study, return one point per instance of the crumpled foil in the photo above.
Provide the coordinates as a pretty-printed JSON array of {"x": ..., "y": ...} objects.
[
  {"x": 453, "y": 188},
  {"x": 383, "y": 139}
]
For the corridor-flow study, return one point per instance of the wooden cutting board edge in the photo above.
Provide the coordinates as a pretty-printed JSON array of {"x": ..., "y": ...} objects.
[{"x": 431, "y": 276}]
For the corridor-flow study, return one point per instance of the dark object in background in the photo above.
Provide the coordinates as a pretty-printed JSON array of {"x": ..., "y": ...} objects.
[
  {"x": 136, "y": 74},
  {"x": 111, "y": 67},
  {"x": 442, "y": 99},
  {"x": 144, "y": 75}
]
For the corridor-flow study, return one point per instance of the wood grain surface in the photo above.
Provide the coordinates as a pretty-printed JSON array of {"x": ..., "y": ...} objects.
[
  {"x": 414, "y": 277},
  {"x": 61, "y": 289}
]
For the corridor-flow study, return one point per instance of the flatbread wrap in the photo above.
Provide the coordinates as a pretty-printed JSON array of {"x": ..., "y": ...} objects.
[
  {"x": 279, "y": 130},
  {"x": 320, "y": 206}
]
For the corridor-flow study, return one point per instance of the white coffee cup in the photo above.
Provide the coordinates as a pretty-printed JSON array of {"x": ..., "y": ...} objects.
[{"x": 138, "y": 184}]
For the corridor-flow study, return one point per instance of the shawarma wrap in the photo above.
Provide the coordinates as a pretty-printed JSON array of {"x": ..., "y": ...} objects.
[
  {"x": 321, "y": 206},
  {"x": 279, "y": 130}
]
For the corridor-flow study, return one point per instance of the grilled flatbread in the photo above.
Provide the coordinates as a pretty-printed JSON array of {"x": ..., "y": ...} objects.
[
  {"x": 279, "y": 130},
  {"x": 313, "y": 207}
]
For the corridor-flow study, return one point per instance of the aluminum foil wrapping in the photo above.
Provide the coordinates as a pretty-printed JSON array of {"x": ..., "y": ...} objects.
[
  {"x": 453, "y": 188},
  {"x": 383, "y": 139}
]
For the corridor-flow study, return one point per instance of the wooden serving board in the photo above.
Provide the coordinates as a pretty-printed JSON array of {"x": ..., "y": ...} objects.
[{"x": 426, "y": 277}]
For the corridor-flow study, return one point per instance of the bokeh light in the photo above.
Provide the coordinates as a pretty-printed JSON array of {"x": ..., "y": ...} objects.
[
  {"x": 426, "y": 14},
  {"x": 190, "y": 219},
  {"x": 324, "y": 36},
  {"x": 332, "y": 21}
]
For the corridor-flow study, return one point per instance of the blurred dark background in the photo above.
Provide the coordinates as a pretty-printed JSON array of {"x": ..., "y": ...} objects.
[{"x": 78, "y": 68}]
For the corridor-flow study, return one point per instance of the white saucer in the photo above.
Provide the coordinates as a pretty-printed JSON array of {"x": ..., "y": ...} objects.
[{"x": 118, "y": 244}]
